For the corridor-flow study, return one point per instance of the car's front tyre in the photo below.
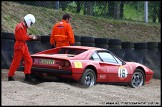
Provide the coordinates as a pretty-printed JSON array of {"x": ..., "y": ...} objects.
[
  {"x": 138, "y": 79},
  {"x": 88, "y": 78}
]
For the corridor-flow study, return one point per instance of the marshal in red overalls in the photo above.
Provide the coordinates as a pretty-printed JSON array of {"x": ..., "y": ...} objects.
[{"x": 20, "y": 50}]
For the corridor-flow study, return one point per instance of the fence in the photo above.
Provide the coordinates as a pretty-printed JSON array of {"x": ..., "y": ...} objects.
[{"x": 118, "y": 10}]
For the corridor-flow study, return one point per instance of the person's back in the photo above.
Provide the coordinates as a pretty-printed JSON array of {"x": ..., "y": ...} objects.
[
  {"x": 62, "y": 33},
  {"x": 60, "y": 28}
]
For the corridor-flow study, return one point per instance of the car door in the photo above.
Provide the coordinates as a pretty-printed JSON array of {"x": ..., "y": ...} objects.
[{"x": 116, "y": 72}]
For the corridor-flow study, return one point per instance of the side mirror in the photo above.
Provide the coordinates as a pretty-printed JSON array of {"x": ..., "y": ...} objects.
[{"x": 123, "y": 63}]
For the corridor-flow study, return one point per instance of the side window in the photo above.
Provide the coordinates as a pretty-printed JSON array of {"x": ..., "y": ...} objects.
[
  {"x": 107, "y": 57},
  {"x": 95, "y": 57}
]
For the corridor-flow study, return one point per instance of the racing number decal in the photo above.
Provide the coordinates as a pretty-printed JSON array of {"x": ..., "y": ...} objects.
[
  {"x": 78, "y": 65},
  {"x": 122, "y": 72}
]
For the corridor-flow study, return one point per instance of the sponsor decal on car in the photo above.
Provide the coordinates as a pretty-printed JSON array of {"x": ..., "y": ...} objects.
[
  {"x": 122, "y": 72},
  {"x": 102, "y": 76},
  {"x": 78, "y": 65}
]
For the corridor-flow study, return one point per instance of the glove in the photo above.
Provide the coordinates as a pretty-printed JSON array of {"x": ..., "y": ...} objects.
[
  {"x": 33, "y": 37},
  {"x": 53, "y": 46}
]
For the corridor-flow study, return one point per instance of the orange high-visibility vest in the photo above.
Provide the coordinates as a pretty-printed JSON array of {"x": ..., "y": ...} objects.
[{"x": 62, "y": 34}]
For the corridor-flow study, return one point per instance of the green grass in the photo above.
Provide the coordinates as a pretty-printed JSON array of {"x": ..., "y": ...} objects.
[{"x": 83, "y": 25}]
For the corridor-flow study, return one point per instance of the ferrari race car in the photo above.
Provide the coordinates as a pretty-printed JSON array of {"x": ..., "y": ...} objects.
[{"x": 88, "y": 66}]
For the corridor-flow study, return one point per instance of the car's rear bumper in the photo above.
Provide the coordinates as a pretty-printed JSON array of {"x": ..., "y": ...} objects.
[{"x": 49, "y": 70}]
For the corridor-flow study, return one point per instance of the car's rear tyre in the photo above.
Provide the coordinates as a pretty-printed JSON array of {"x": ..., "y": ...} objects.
[
  {"x": 138, "y": 79},
  {"x": 88, "y": 78}
]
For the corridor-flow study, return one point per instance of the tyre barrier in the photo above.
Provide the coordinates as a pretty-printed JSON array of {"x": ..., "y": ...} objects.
[
  {"x": 44, "y": 43},
  {"x": 9, "y": 36},
  {"x": 7, "y": 46},
  {"x": 129, "y": 55},
  {"x": 34, "y": 46},
  {"x": 128, "y": 51},
  {"x": 127, "y": 45},
  {"x": 102, "y": 46},
  {"x": 87, "y": 39},
  {"x": 159, "y": 46},
  {"x": 77, "y": 44},
  {"x": 114, "y": 42},
  {"x": 88, "y": 44},
  {"x": 152, "y": 60},
  {"x": 140, "y": 45},
  {"x": 45, "y": 38},
  {"x": 115, "y": 47},
  {"x": 101, "y": 43},
  {"x": 152, "y": 46},
  {"x": 140, "y": 51},
  {"x": 118, "y": 52},
  {"x": 77, "y": 38},
  {"x": 137, "y": 52}
]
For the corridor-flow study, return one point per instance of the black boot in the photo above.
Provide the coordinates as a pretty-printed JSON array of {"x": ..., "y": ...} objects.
[
  {"x": 29, "y": 78},
  {"x": 11, "y": 78}
]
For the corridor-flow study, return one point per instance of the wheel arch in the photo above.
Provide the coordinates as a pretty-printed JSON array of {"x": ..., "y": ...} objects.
[
  {"x": 93, "y": 68},
  {"x": 143, "y": 71}
]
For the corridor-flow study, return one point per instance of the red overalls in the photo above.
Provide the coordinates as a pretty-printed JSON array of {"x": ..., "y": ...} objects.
[{"x": 20, "y": 50}]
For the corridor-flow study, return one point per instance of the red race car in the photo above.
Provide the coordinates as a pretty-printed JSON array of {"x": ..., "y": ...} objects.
[{"x": 88, "y": 66}]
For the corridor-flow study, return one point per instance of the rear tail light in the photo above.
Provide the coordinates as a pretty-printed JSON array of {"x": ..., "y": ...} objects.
[
  {"x": 64, "y": 63},
  {"x": 67, "y": 63}
]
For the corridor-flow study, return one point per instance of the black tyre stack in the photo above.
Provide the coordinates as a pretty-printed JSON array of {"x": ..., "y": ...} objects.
[
  {"x": 140, "y": 49},
  {"x": 152, "y": 59},
  {"x": 159, "y": 47},
  {"x": 158, "y": 70},
  {"x": 77, "y": 40},
  {"x": 45, "y": 42},
  {"x": 153, "y": 46},
  {"x": 128, "y": 51},
  {"x": 114, "y": 44},
  {"x": 7, "y": 49},
  {"x": 102, "y": 43},
  {"x": 34, "y": 45},
  {"x": 87, "y": 41},
  {"x": 115, "y": 47}
]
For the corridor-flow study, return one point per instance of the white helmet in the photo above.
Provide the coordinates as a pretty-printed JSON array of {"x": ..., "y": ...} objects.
[{"x": 29, "y": 19}]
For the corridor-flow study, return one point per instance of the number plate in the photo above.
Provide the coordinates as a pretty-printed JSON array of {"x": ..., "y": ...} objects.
[{"x": 46, "y": 61}]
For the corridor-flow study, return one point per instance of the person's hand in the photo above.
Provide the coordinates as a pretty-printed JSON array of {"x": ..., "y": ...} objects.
[{"x": 33, "y": 37}]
